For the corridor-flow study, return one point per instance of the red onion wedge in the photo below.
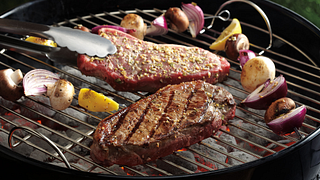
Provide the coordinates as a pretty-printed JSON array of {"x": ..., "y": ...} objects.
[
  {"x": 158, "y": 27},
  {"x": 265, "y": 94},
  {"x": 245, "y": 55},
  {"x": 195, "y": 16},
  {"x": 287, "y": 122},
  {"x": 96, "y": 29},
  {"x": 35, "y": 82}
]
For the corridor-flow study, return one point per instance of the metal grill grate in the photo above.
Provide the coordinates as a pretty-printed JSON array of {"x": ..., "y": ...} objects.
[{"x": 302, "y": 78}]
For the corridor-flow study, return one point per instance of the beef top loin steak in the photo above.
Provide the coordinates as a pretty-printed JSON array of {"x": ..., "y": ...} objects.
[
  {"x": 176, "y": 116},
  {"x": 145, "y": 66}
]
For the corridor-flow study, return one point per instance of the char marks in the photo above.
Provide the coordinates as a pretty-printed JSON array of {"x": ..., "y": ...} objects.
[
  {"x": 174, "y": 117},
  {"x": 142, "y": 118},
  {"x": 162, "y": 114},
  {"x": 196, "y": 106},
  {"x": 120, "y": 121},
  {"x": 171, "y": 119},
  {"x": 110, "y": 127}
]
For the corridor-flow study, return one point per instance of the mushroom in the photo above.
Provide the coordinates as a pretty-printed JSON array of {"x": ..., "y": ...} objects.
[
  {"x": 178, "y": 20},
  {"x": 257, "y": 71},
  {"x": 234, "y": 44},
  {"x": 283, "y": 117},
  {"x": 278, "y": 108},
  {"x": 43, "y": 82},
  {"x": 134, "y": 21},
  {"x": 60, "y": 94},
  {"x": 9, "y": 84}
]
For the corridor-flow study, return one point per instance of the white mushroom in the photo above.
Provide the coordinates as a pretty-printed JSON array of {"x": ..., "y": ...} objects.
[
  {"x": 9, "y": 84},
  {"x": 134, "y": 21},
  {"x": 60, "y": 94},
  {"x": 257, "y": 71}
]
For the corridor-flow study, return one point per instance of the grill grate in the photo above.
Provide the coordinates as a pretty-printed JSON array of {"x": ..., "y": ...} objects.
[{"x": 301, "y": 78}]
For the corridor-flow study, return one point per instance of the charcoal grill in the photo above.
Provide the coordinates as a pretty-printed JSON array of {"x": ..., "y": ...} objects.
[{"x": 295, "y": 51}]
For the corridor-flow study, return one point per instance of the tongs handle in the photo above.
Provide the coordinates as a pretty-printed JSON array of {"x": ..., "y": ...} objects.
[{"x": 23, "y": 28}]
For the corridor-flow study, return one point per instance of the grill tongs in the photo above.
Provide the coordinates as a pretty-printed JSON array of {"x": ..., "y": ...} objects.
[{"x": 69, "y": 41}]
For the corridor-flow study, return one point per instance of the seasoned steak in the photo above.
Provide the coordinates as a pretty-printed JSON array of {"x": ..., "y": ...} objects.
[
  {"x": 176, "y": 116},
  {"x": 145, "y": 66}
]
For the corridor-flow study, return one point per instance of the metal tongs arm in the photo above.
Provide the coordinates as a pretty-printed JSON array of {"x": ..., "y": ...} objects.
[{"x": 75, "y": 40}]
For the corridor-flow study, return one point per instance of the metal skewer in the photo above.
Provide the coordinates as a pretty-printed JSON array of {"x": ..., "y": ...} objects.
[{"x": 39, "y": 135}]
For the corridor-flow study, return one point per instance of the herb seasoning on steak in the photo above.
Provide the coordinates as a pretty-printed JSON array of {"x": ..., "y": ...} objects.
[
  {"x": 145, "y": 66},
  {"x": 176, "y": 116}
]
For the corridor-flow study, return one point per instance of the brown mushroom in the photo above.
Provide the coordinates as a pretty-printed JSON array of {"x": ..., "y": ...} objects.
[
  {"x": 60, "y": 94},
  {"x": 234, "y": 44},
  {"x": 9, "y": 84},
  {"x": 178, "y": 20},
  {"x": 279, "y": 107}
]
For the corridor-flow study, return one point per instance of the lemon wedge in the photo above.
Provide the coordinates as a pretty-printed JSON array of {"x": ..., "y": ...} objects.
[
  {"x": 96, "y": 102},
  {"x": 42, "y": 41},
  {"x": 233, "y": 28}
]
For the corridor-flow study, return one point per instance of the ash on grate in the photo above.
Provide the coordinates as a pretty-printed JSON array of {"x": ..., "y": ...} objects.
[
  {"x": 251, "y": 137},
  {"x": 242, "y": 155},
  {"x": 178, "y": 161},
  {"x": 207, "y": 148},
  {"x": 8, "y": 104},
  {"x": 36, "y": 106},
  {"x": 75, "y": 114},
  {"x": 4, "y": 139}
]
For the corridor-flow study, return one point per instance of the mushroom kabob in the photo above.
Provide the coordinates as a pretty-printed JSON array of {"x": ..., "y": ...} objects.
[{"x": 41, "y": 81}]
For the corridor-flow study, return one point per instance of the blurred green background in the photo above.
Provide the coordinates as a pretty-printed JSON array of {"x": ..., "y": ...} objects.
[{"x": 310, "y": 9}]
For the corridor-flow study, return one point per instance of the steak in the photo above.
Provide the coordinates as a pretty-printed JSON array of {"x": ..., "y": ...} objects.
[
  {"x": 176, "y": 116},
  {"x": 145, "y": 66}
]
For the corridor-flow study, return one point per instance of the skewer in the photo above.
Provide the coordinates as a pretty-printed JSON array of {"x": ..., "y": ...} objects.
[
  {"x": 298, "y": 133},
  {"x": 39, "y": 135}
]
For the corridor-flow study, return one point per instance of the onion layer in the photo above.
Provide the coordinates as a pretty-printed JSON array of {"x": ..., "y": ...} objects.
[
  {"x": 96, "y": 29},
  {"x": 158, "y": 27},
  {"x": 286, "y": 123},
  {"x": 265, "y": 94},
  {"x": 195, "y": 16},
  {"x": 35, "y": 82},
  {"x": 245, "y": 55}
]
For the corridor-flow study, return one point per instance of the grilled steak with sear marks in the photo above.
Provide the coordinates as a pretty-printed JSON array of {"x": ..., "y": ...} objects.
[
  {"x": 176, "y": 116},
  {"x": 145, "y": 66}
]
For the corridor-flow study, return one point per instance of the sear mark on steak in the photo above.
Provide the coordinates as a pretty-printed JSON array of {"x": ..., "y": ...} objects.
[
  {"x": 176, "y": 116},
  {"x": 145, "y": 66}
]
